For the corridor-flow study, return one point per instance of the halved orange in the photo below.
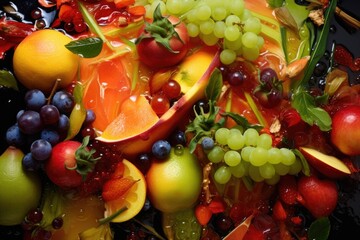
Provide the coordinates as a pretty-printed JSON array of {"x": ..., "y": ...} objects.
[{"x": 134, "y": 198}]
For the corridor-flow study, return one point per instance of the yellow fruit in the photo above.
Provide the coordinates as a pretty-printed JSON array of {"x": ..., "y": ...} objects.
[
  {"x": 174, "y": 184},
  {"x": 42, "y": 58},
  {"x": 20, "y": 190},
  {"x": 133, "y": 200}
]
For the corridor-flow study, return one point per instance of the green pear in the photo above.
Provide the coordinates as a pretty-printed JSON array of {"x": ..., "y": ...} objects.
[{"x": 20, "y": 190}]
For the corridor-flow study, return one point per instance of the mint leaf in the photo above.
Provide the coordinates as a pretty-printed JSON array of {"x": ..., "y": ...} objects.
[
  {"x": 8, "y": 80},
  {"x": 88, "y": 47},
  {"x": 319, "y": 229},
  {"x": 305, "y": 104},
  {"x": 213, "y": 89}
]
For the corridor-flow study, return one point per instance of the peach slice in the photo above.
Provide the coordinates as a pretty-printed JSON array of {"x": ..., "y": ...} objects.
[
  {"x": 328, "y": 165},
  {"x": 197, "y": 68}
]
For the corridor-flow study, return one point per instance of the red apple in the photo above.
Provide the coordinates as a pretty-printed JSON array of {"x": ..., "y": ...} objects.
[
  {"x": 345, "y": 133},
  {"x": 319, "y": 196},
  {"x": 329, "y": 166}
]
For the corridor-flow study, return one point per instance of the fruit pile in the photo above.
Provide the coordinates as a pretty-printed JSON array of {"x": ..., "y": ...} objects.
[{"x": 175, "y": 119}]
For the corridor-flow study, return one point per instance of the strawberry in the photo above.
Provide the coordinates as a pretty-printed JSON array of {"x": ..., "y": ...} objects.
[
  {"x": 117, "y": 187},
  {"x": 319, "y": 196},
  {"x": 203, "y": 214},
  {"x": 288, "y": 192}
]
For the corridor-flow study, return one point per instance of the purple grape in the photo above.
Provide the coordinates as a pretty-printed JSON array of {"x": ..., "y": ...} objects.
[
  {"x": 34, "y": 216},
  {"x": 49, "y": 114},
  {"x": 236, "y": 78},
  {"x": 64, "y": 101},
  {"x": 34, "y": 99},
  {"x": 267, "y": 76},
  {"x": 41, "y": 149},
  {"x": 29, "y": 163},
  {"x": 30, "y": 122}
]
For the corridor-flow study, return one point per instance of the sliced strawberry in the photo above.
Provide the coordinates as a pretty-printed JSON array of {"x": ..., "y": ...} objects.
[
  {"x": 117, "y": 187},
  {"x": 203, "y": 214},
  {"x": 279, "y": 213},
  {"x": 288, "y": 189}
]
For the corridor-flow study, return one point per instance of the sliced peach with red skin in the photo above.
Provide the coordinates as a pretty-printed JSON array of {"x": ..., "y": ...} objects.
[
  {"x": 204, "y": 60},
  {"x": 328, "y": 165}
]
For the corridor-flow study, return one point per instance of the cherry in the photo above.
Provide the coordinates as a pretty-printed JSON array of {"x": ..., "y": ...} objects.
[
  {"x": 160, "y": 103},
  {"x": 172, "y": 89}
]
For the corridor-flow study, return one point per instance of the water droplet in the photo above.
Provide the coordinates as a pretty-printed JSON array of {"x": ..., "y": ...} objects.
[{"x": 179, "y": 149}]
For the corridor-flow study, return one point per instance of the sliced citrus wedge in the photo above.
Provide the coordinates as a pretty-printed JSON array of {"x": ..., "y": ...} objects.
[{"x": 133, "y": 199}]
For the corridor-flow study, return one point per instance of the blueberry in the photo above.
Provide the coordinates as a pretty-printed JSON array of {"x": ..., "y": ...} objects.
[
  {"x": 40, "y": 149},
  {"x": 161, "y": 149},
  {"x": 64, "y": 101},
  {"x": 34, "y": 99},
  {"x": 29, "y": 163},
  {"x": 50, "y": 135},
  {"x": 14, "y": 136},
  {"x": 90, "y": 117},
  {"x": 64, "y": 123},
  {"x": 178, "y": 138},
  {"x": 207, "y": 143}
]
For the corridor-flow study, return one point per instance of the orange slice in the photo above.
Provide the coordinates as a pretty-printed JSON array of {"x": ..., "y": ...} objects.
[
  {"x": 133, "y": 200},
  {"x": 136, "y": 116}
]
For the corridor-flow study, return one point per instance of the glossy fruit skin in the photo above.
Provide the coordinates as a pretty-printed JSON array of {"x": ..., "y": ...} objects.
[
  {"x": 20, "y": 190},
  {"x": 63, "y": 155},
  {"x": 174, "y": 184},
  {"x": 344, "y": 134},
  {"x": 155, "y": 55}
]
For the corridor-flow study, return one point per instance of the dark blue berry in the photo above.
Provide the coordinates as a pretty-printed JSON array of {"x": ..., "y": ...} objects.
[
  {"x": 161, "y": 149},
  {"x": 34, "y": 99},
  {"x": 29, "y": 163},
  {"x": 40, "y": 149},
  {"x": 51, "y": 136},
  {"x": 14, "y": 136},
  {"x": 30, "y": 122},
  {"x": 178, "y": 138},
  {"x": 64, "y": 101},
  {"x": 64, "y": 123},
  {"x": 90, "y": 117},
  {"x": 207, "y": 143}
]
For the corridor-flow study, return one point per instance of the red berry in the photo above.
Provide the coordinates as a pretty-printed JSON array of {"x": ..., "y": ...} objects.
[
  {"x": 172, "y": 89},
  {"x": 288, "y": 189},
  {"x": 203, "y": 214}
]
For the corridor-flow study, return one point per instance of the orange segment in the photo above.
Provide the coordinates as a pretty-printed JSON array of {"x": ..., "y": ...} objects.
[
  {"x": 134, "y": 199},
  {"x": 135, "y": 117}
]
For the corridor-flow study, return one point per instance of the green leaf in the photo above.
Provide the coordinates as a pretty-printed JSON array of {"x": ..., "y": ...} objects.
[
  {"x": 320, "y": 44},
  {"x": 213, "y": 89},
  {"x": 8, "y": 80},
  {"x": 304, "y": 163},
  {"x": 275, "y": 3},
  {"x": 319, "y": 229},
  {"x": 242, "y": 121},
  {"x": 88, "y": 47},
  {"x": 305, "y": 104}
]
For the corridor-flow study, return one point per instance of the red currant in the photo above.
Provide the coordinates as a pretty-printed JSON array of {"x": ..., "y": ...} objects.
[
  {"x": 160, "y": 104},
  {"x": 172, "y": 89}
]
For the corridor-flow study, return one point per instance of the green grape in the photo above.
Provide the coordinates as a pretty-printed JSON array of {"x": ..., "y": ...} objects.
[
  {"x": 246, "y": 14},
  {"x": 221, "y": 135},
  {"x": 232, "y": 33},
  {"x": 281, "y": 169},
  {"x": 252, "y": 24},
  {"x": 203, "y": 12},
  {"x": 267, "y": 171},
  {"x": 260, "y": 42},
  {"x": 274, "y": 180},
  {"x": 237, "y": 7},
  {"x": 222, "y": 174},
  {"x": 254, "y": 173},
  {"x": 193, "y": 29},
  {"x": 232, "y": 158},
  {"x": 227, "y": 56},
  {"x": 249, "y": 40},
  {"x": 232, "y": 20},
  {"x": 236, "y": 140},
  {"x": 154, "y": 4},
  {"x": 191, "y": 16},
  {"x": 219, "y": 29},
  {"x": 258, "y": 156},
  {"x": 245, "y": 153},
  {"x": 264, "y": 140},
  {"x": 218, "y": 13},
  {"x": 207, "y": 26},
  {"x": 209, "y": 39},
  {"x": 250, "y": 54},
  {"x": 239, "y": 170},
  {"x": 274, "y": 155},
  {"x": 174, "y": 6},
  {"x": 251, "y": 137},
  {"x": 296, "y": 167},
  {"x": 216, "y": 154},
  {"x": 288, "y": 157},
  {"x": 233, "y": 45}
]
